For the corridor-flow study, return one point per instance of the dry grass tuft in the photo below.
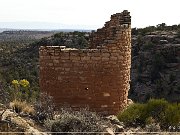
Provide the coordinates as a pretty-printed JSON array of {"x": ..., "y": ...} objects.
[{"x": 22, "y": 106}]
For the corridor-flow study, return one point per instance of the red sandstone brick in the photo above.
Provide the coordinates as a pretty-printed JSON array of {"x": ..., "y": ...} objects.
[{"x": 79, "y": 77}]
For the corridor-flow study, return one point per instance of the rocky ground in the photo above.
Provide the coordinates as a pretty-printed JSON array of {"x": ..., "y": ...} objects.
[
  {"x": 155, "y": 66},
  {"x": 15, "y": 123}
]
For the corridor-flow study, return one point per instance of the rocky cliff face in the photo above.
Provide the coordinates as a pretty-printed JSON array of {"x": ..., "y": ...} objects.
[{"x": 155, "y": 66}]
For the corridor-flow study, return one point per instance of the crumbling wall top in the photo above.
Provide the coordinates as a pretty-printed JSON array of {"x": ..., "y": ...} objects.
[{"x": 118, "y": 23}]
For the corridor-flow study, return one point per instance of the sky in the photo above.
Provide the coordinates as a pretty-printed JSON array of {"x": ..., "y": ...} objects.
[{"x": 85, "y": 14}]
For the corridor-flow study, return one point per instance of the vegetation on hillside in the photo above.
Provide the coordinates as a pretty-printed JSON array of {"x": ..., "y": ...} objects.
[
  {"x": 159, "y": 27},
  {"x": 154, "y": 58},
  {"x": 155, "y": 111},
  {"x": 19, "y": 55}
]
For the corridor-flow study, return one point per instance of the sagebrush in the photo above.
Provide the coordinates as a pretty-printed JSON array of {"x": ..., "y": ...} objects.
[
  {"x": 77, "y": 121},
  {"x": 157, "y": 111}
]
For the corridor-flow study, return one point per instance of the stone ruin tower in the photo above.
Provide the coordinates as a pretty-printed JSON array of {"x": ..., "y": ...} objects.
[{"x": 97, "y": 77}]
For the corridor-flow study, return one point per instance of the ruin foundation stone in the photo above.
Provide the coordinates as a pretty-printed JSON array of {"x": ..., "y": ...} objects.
[{"x": 97, "y": 77}]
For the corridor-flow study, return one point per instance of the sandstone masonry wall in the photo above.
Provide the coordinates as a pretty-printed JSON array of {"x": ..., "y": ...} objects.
[{"x": 98, "y": 77}]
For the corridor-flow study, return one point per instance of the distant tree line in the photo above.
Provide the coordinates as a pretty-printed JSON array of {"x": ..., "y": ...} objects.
[{"x": 159, "y": 27}]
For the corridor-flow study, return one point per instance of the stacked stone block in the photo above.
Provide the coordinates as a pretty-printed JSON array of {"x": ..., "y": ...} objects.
[{"x": 97, "y": 77}]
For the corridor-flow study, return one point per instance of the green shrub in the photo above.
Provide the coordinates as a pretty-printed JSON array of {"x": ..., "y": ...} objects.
[
  {"x": 21, "y": 90},
  {"x": 157, "y": 111},
  {"x": 148, "y": 45},
  {"x": 158, "y": 64},
  {"x": 178, "y": 34},
  {"x": 5, "y": 95},
  {"x": 132, "y": 115},
  {"x": 172, "y": 115},
  {"x": 155, "y": 108}
]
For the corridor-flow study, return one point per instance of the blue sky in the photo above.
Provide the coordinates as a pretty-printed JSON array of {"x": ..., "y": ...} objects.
[{"x": 88, "y": 14}]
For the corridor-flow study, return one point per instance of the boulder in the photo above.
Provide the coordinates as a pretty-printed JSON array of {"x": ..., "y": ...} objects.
[
  {"x": 118, "y": 128},
  {"x": 163, "y": 42},
  {"x": 114, "y": 120},
  {"x": 109, "y": 131},
  {"x": 153, "y": 127},
  {"x": 12, "y": 122},
  {"x": 129, "y": 102}
]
